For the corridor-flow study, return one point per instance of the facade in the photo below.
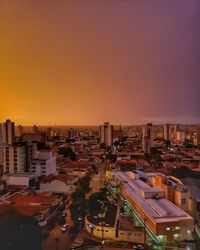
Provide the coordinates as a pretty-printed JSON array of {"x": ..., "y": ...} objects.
[
  {"x": 166, "y": 132},
  {"x": 14, "y": 159},
  {"x": 166, "y": 221},
  {"x": 34, "y": 137},
  {"x": 19, "y": 131},
  {"x": 196, "y": 139},
  {"x": 8, "y": 132},
  {"x": 44, "y": 164},
  {"x": 106, "y": 134},
  {"x": 111, "y": 225},
  {"x": 147, "y": 138},
  {"x": 180, "y": 137}
]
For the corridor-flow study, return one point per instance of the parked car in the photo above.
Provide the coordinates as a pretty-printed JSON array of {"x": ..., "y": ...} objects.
[
  {"x": 63, "y": 213},
  {"x": 64, "y": 228}
]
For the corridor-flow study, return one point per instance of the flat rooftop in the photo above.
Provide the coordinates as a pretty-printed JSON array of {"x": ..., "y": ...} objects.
[
  {"x": 161, "y": 210},
  {"x": 108, "y": 220}
]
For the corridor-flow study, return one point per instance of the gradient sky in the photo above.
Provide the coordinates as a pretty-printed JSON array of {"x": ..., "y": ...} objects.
[{"x": 85, "y": 62}]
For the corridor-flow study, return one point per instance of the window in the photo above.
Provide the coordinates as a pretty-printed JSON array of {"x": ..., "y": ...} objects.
[
  {"x": 183, "y": 201},
  {"x": 168, "y": 228}
]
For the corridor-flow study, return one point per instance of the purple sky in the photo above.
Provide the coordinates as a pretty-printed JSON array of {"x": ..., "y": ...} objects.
[{"x": 85, "y": 62}]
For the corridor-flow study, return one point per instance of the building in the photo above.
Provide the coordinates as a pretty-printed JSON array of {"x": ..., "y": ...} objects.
[
  {"x": 61, "y": 183},
  {"x": 35, "y": 129},
  {"x": 19, "y": 131},
  {"x": 167, "y": 132},
  {"x": 165, "y": 221},
  {"x": 73, "y": 133},
  {"x": 147, "y": 138},
  {"x": 20, "y": 179},
  {"x": 196, "y": 139},
  {"x": 1, "y": 133},
  {"x": 180, "y": 137},
  {"x": 44, "y": 164},
  {"x": 109, "y": 224},
  {"x": 8, "y": 132},
  {"x": 106, "y": 134},
  {"x": 14, "y": 158},
  {"x": 34, "y": 137}
]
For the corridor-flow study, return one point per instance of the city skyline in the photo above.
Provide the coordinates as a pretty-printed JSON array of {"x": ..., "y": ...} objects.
[{"x": 75, "y": 63}]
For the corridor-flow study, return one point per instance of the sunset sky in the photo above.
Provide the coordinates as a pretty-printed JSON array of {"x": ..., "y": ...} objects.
[{"x": 81, "y": 62}]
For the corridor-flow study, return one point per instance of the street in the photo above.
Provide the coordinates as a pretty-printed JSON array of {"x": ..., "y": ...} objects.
[{"x": 58, "y": 240}]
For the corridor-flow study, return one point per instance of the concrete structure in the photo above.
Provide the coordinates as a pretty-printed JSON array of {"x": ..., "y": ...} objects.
[
  {"x": 164, "y": 220},
  {"x": 8, "y": 132},
  {"x": 196, "y": 139},
  {"x": 19, "y": 131},
  {"x": 106, "y": 134},
  {"x": 34, "y": 137},
  {"x": 180, "y": 137},
  {"x": 61, "y": 183},
  {"x": 23, "y": 179},
  {"x": 166, "y": 132},
  {"x": 147, "y": 138},
  {"x": 14, "y": 159},
  {"x": 111, "y": 225},
  {"x": 73, "y": 133},
  {"x": 44, "y": 164}
]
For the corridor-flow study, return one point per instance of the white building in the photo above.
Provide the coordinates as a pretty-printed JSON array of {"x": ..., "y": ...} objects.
[
  {"x": 106, "y": 134},
  {"x": 14, "y": 159},
  {"x": 23, "y": 179},
  {"x": 44, "y": 164}
]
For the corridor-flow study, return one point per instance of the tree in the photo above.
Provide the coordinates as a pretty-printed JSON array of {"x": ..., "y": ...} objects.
[
  {"x": 19, "y": 232},
  {"x": 67, "y": 152}
]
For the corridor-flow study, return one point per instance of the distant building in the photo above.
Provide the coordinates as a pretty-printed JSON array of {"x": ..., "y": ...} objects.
[
  {"x": 196, "y": 139},
  {"x": 106, "y": 134},
  {"x": 8, "y": 132},
  {"x": 180, "y": 137},
  {"x": 35, "y": 129},
  {"x": 34, "y": 137},
  {"x": 147, "y": 138},
  {"x": 166, "y": 132},
  {"x": 73, "y": 133},
  {"x": 19, "y": 131}
]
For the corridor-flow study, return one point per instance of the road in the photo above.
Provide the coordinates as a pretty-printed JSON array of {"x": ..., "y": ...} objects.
[{"x": 58, "y": 240}]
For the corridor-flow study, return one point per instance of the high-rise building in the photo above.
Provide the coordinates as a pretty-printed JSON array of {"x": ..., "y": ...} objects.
[
  {"x": 166, "y": 132},
  {"x": 34, "y": 129},
  {"x": 106, "y": 133},
  {"x": 196, "y": 139},
  {"x": 14, "y": 160},
  {"x": 147, "y": 138},
  {"x": 8, "y": 132},
  {"x": 73, "y": 133},
  {"x": 1, "y": 133},
  {"x": 19, "y": 131}
]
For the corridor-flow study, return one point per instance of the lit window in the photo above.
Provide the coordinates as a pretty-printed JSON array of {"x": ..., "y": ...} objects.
[{"x": 168, "y": 228}]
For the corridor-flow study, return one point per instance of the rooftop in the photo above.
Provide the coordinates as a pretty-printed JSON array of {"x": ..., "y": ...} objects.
[{"x": 160, "y": 209}]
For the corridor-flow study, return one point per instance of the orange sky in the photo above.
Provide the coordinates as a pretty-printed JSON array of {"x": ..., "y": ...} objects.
[{"x": 85, "y": 62}]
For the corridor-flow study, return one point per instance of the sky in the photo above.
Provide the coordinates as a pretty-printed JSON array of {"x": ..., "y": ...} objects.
[{"x": 75, "y": 62}]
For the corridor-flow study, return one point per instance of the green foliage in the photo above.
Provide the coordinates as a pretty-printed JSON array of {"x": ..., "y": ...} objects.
[
  {"x": 19, "y": 232},
  {"x": 96, "y": 199}
]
